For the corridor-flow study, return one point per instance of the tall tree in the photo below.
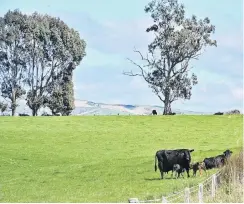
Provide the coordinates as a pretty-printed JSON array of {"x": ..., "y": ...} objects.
[
  {"x": 52, "y": 47},
  {"x": 178, "y": 40},
  {"x": 13, "y": 28}
]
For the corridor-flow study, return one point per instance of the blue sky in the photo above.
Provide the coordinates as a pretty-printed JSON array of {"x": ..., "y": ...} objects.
[{"x": 112, "y": 28}]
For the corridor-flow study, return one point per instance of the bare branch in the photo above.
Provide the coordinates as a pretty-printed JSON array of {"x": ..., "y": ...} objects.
[
  {"x": 131, "y": 74},
  {"x": 143, "y": 73},
  {"x": 157, "y": 93},
  {"x": 143, "y": 58}
]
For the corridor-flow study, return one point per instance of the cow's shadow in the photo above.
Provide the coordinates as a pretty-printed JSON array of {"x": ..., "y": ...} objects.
[{"x": 157, "y": 179}]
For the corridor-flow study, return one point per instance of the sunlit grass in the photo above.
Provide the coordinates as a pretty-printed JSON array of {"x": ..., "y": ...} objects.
[{"x": 103, "y": 158}]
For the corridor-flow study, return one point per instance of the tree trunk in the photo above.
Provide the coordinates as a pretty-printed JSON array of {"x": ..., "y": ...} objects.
[
  {"x": 167, "y": 103},
  {"x": 13, "y": 103},
  {"x": 167, "y": 108},
  {"x": 34, "y": 111},
  {"x": 13, "y": 109}
]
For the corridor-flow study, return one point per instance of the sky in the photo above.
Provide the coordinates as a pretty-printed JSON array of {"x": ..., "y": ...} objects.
[{"x": 112, "y": 28}]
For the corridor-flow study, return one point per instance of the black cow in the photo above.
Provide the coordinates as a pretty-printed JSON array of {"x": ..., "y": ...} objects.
[
  {"x": 167, "y": 159},
  {"x": 154, "y": 112},
  {"x": 218, "y": 161},
  {"x": 23, "y": 114},
  {"x": 219, "y": 113}
]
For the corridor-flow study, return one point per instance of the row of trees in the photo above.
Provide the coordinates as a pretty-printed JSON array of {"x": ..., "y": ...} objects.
[
  {"x": 178, "y": 40},
  {"x": 38, "y": 54}
]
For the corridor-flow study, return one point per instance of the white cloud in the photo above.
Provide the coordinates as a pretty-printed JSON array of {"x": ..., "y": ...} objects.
[
  {"x": 238, "y": 93},
  {"x": 96, "y": 58},
  {"x": 89, "y": 86},
  {"x": 115, "y": 36},
  {"x": 203, "y": 88},
  {"x": 227, "y": 59},
  {"x": 137, "y": 83},
  {"x": 233, "y": 41},
  {"x": 115, "y": 101}
]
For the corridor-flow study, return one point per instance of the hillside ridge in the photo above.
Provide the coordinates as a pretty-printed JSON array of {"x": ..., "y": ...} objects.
[{"x": 87, "y": 107}]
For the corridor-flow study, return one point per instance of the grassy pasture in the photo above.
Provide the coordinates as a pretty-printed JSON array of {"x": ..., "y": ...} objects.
[{"x": 103, "y": 158}]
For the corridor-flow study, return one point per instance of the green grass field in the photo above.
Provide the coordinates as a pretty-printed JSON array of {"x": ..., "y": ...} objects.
[{"x": 103, "y": 158}]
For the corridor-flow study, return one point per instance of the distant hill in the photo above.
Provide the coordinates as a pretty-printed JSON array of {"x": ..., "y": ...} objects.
[
  {"x": 84, "y": 107},
  {"x": 91, "y": 108}
]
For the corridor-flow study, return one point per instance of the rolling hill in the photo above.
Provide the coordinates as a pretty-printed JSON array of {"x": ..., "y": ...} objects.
[{"x": 84, "y": 107}]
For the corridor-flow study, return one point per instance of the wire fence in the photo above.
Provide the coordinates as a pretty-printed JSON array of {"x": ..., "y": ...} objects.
[
  {"x": 190, "y": 194},
  {"x": 194, "y": 194}
]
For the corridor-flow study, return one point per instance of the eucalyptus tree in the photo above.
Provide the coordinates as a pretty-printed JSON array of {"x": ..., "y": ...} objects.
[
  {"x": 178, "y": 40},
  {"x": 13, "y": 55},
  {"x": 53, "y": 49}
]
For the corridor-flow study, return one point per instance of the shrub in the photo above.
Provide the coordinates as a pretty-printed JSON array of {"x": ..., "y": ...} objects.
[
  {"x": 233, "y": 112},
  {"x": 231, "y": 182}
]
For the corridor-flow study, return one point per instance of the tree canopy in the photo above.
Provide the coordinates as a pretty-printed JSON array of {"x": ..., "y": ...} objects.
[
  {"x": 36, "y": 52},
  {"x": 178, "y": 40}
]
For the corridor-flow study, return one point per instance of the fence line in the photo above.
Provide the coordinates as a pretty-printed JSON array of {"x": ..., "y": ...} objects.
[
  {"x": 185, "y": 195},
  {"x": 211, "y": 181},
  {"x": 208, "y": 186}
]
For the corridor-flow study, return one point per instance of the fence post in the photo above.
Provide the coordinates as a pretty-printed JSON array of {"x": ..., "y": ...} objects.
[
  {"x": 213, "y": 185},
  {"x": 200, "y": 193},
  {"x": 164, "y": 200},
  {"x": 234, "y": 177},
  {"x": 133, "y": 200},
  {"x": 187, "y": 195}
]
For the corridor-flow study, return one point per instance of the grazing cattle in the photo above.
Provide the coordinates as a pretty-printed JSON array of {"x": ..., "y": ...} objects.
[
  {"x": 209, "y": 163},
  {"x": 178, "y": 170},
  {"x": 198, "y": 166},
  {"x": 218, "y": 161},
  {"x": 219, "y": 113},
  {"x": 23, "y": 114},
  {"x": 154, "y": 112},
  {"x": 167, "y": 158}
]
